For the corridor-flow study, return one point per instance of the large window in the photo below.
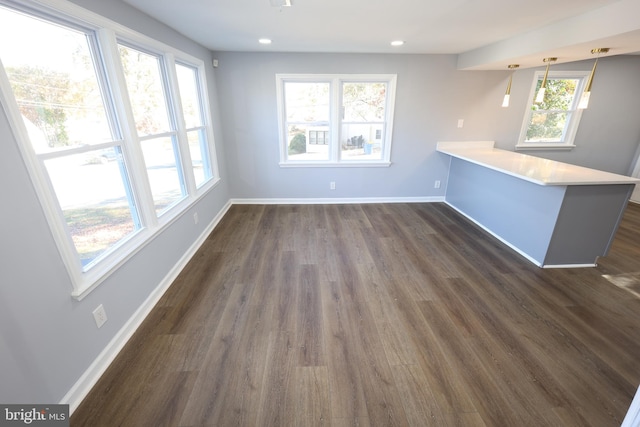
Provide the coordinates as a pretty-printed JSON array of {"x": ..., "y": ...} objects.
[
  {"x": 110, "y": 173},
  {"x": 335, "y": 120},
  {"x": 553, "y": 121},
  {"x": 71, "y": 128},
  {"x": 145, "y": 75}
]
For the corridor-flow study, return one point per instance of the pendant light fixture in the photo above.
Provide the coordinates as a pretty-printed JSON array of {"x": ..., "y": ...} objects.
[
  {"x": 543, "y": 87},
  {"x": 584, "y": 99},
  {"x": 507, "y": 94}
]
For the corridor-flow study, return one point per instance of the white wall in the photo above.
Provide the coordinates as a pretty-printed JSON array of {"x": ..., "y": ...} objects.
[
  {"x": 431, "y": 96},
  {"x": 48, "y": 339}
]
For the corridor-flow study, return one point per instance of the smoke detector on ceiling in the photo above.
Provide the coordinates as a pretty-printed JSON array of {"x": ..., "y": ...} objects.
[{"x": 280, "y": 3}]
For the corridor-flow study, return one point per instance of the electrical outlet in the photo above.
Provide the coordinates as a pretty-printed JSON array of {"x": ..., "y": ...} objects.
[
  {"x": 460, "y": 123},
  {"x": 332, "y": 185},
  {"x": 195, "y": 218},
  {"x": 436, "y": 184},
  {"x": 100, "y": 316}
]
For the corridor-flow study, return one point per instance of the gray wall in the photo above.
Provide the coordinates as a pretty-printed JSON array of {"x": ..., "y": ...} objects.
[
  {"x": 47, "y": 339},
  {"x": 431, "y": 96}
]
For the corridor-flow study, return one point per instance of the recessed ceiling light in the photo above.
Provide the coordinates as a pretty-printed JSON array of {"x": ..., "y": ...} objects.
[
  {"x": 397, "y": 43},
  {"x": 264, "y": 41}
]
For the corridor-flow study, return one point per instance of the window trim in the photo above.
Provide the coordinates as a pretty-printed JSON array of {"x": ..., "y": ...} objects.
[
  {"x": 335, "y": 81},
  {"x": 576, "y": 114},
  {"x": 107, "y": 33}
]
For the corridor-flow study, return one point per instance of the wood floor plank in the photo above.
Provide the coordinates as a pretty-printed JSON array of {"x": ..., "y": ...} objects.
[
  {"x": 492, "y": 399},
  {"x": 351, "y": 422},
  {"x": 312, "y": 391},
  {"x": 378, "y": 314},
  {"x": 309, "y": 325},
  {"x": 345, "y": 381},
  {"x": 207, "y": 397},
  {"x": 379, "y": 387},
  {"x": 277, "y": 400},
  {"x": 421, "y": 405},
  {"x": 447, "y": 383}
]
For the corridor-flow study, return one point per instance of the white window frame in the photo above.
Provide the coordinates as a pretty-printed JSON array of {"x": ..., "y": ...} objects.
[
  {"x": 335, "y": 81},
  {"x": 203, "y": 128},
  {"x": 567, "y": 143},
  {"x": 167, "y": 75},
  {"x": 107, "y": 33}
]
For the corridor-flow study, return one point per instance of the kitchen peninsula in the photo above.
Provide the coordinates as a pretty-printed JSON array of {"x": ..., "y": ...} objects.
[{"x": 554, "y": 214}]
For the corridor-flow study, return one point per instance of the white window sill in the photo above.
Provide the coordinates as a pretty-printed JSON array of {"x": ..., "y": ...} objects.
[
  {"x": 91, "y": 279},
  {"x": 523, "y": 147},
  {"x": 377, "y": 164}
]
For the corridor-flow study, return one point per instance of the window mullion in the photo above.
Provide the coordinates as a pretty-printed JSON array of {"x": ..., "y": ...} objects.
[
  {"x": 387, "y": 129},
  {"x": 335, "y": 127},
  {"x": 133, "y": 151}
]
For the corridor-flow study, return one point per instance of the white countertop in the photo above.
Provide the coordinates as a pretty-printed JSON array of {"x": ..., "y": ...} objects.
[{"x": 530, "y": 168}]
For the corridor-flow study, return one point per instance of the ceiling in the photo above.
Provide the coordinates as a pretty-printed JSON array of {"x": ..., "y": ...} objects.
[{"x": 485, "y": 34}]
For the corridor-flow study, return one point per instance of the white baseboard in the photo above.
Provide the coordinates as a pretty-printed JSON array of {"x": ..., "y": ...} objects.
[
  {"x": 332, "y": 201},
  {"x": 93, "y": 373},
  {"x": 516, "y": 249},
  {"x": 632, "y": 419},
  {"x": 551, "y": 266}
]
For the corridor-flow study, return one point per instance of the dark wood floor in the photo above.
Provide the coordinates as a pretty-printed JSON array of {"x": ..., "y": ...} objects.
[{"x": 396, "y": 314}]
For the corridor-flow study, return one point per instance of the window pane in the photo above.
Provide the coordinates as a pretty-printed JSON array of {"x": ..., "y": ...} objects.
[
  {"x": 306, "y": 102},
  {"x": 299, "y": 147},
  {"x": 165, "y": 177},
  {"x": 359, "y": 142},
  {"x": 199, "y": 156},
  {"x": 547, "y": 127},
  {"x": 146, "y": 91},
  {"x": 53, "y": 78},
  {"x": 364, "y": 102},
  {"x": 97, "y": 207},
  {"x": 307, "y": 113},
  {"x": 189, "y": 95}
]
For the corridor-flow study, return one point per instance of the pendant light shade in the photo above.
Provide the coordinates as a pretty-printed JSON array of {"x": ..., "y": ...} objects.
[
  {"x": 584, "y": 99},
  {"x": 543, "y": 86},
  {"x": 507, "y": 94}
]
